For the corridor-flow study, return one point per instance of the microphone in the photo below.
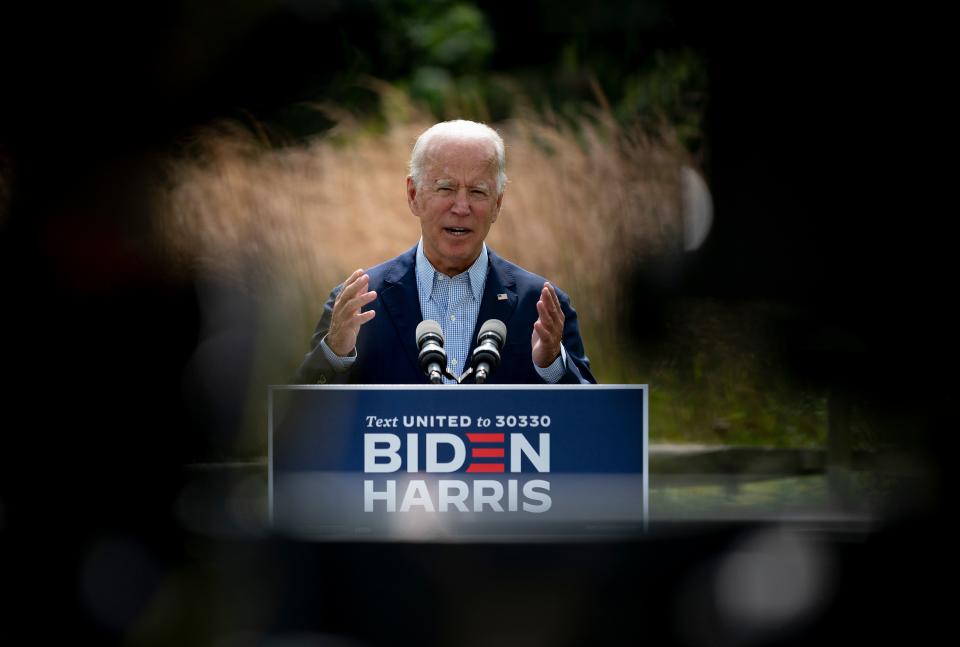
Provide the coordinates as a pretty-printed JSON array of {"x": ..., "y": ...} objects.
[
  {"x": 433, "y": 359},
  {"x": 486, "y": 356}
]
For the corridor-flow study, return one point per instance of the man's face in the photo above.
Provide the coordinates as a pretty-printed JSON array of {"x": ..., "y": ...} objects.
[{"x": 456, "y": 202}]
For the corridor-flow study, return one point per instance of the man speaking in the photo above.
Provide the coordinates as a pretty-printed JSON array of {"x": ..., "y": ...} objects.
[{"x": 368, "y": 331}]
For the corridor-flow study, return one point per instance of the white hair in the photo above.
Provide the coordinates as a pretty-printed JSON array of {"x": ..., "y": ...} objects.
[{"x": 457, "y": 129}]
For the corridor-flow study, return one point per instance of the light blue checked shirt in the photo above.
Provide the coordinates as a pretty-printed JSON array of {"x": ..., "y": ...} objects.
[{"x": 454, "y": 303}]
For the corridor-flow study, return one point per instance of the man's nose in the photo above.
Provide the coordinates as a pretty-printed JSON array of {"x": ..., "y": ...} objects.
[{"x": 461, "y": 206}]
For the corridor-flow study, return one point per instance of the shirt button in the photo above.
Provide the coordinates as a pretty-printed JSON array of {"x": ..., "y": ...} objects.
[
  {"x": 453, "y": 317},
  {"x": 453, "y": 361}
]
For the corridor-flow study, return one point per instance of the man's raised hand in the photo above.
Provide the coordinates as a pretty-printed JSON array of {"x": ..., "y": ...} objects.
[
  {"x": 347, "y": 318},
  {"x": 548, "y": 328}
]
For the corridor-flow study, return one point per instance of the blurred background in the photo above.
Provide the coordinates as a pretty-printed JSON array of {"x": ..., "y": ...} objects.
[{"x": 730, "y": 195}]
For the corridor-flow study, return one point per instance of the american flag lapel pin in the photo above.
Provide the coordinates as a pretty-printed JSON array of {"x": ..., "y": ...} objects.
[{"x": 501, "y": 297}]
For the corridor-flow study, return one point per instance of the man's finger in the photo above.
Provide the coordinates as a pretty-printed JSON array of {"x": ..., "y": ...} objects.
[
  {"x": 356, "y": 281},
  {"x": 344, "y": 312},
  {"x": 357, "y": 284},
  {"x": 541, "y": 330},
  {"x": 357, "y": 273},
  {"x": 353, "y": 305},
  {"x": 549, "y": 330},
  {"x": 363, "y": 317},
  {"x": 548, "y": 314},
  {"x": 547, "y": 338},
  {"x": 555, "y": 299},
  {"x": 549, "y": 300},
  {"x": 544, "y": 311}
]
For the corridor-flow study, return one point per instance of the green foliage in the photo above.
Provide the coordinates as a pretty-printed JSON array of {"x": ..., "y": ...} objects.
[
  {"x": 454, "y": 35},
  {"x": 445, "y": 47},
  {"x": 671, "y": 91},
  {"x": 441, "y": 55},
  {"x": 716, "y": 379},
  {"x": 774, "y": 496}
]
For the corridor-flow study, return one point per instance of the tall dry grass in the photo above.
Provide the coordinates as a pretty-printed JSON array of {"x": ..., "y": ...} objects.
[{"x": 582, "y": 207}]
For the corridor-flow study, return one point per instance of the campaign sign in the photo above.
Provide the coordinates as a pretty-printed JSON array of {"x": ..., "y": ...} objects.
[{"x": 457, "y": 461}]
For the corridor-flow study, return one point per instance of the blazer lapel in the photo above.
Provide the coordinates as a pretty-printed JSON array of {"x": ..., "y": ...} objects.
[
  {"x": 402, "y": 302},
  {"x": 500, "y": 282}
]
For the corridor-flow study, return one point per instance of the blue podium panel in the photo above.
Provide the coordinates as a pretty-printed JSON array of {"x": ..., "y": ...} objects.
[{"x": 457, "y": 462}]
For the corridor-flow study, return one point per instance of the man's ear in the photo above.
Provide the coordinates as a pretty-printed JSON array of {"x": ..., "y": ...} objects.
[
  {"x": 497, "y": 212},
  {"x": 412, "y": 195}
]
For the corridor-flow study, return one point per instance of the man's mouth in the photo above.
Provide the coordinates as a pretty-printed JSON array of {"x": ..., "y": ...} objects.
[{"x": 456, "y": 231}]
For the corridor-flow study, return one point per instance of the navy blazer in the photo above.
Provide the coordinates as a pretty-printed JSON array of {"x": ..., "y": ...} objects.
[{"x": 387, "y": 347}]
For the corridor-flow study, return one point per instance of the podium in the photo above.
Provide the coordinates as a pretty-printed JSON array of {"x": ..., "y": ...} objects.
[{"x": 457, "y": 462}]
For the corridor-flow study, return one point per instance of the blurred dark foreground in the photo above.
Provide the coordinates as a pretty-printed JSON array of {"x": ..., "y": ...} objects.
[
  {"x": 690, "y": 584},
  {"x": 100, "y": 419}
]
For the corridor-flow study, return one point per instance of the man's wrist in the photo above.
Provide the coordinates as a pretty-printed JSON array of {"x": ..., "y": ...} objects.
[
  {"x": 340, "y": 363},
  {"x": 336, "y": 347},
  {"x": 553, "y": 373}
]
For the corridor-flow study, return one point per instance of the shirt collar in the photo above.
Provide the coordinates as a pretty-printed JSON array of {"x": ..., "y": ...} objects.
[{"x": 426, "y": 274}]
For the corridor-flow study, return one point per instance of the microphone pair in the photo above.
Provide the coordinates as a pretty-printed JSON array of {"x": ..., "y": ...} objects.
[{"x": 483, "y": 361}]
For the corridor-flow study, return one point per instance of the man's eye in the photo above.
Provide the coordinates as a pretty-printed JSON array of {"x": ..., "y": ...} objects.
[
  {"x": 478, "y": 192},
  {"x": 444, "y": 189}
]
